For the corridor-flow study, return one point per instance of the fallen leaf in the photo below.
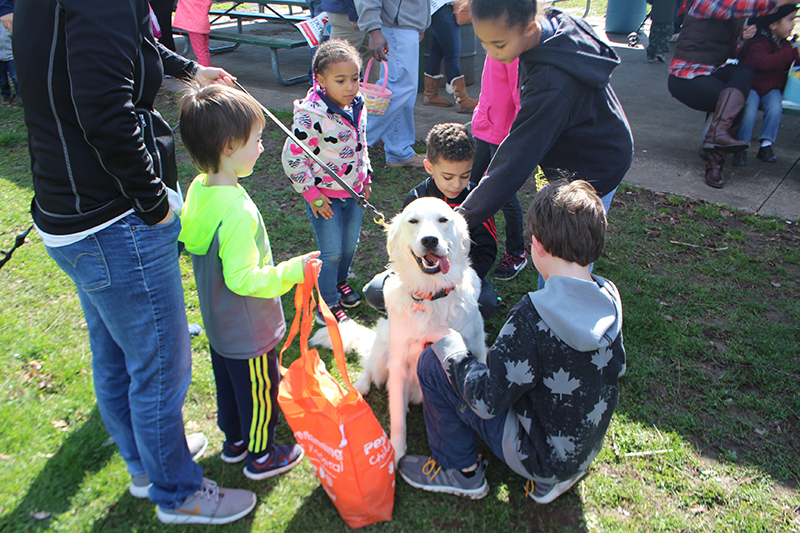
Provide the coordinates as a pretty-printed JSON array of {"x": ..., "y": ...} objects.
[
  {"x": 41, "y": 515},
  {"x": 59, "y": 424},
  {"x": 775, "y": 284},
  {"x": 668, "y": 318}
]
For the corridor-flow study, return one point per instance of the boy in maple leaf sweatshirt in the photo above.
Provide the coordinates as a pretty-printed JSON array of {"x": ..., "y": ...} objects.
[{"x": 545, "y": 396}]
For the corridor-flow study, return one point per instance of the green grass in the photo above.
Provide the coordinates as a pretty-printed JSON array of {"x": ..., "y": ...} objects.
[{"x": 705, "y": 437}]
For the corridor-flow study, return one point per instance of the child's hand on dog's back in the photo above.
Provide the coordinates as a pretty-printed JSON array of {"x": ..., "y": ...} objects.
[{"x": 435, "y": 334}]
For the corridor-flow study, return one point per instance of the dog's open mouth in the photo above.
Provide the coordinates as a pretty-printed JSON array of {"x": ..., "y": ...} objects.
[{"x": 433, "y": 264}]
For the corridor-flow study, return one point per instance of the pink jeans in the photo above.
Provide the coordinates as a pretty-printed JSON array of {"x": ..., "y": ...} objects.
[{"x": 199, "y": 43}]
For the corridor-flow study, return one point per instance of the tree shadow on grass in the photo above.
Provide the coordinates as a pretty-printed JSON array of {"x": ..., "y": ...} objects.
[{"x": 80, "y": 454}]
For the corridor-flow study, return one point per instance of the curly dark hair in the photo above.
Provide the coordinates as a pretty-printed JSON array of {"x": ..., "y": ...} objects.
[
  {"x": 519, "y": 12},
  {"x": 450, "y": 141},
  {"x": 334, "y": 51}
]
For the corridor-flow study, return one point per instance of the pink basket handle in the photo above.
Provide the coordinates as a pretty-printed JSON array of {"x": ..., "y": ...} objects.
[{"x": 369, "y": 64}]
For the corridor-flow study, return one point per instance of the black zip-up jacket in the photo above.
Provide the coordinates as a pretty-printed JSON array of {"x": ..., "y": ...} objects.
[
  {"x": 83, "y": 67},
  {"x": 483, "y": 251},
  {"x": 569, "y": 118}
]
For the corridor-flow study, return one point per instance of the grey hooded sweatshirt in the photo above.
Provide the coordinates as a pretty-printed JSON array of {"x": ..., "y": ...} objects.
[
  {"x": 552, "y": 372},
  {"x": 404, "y": 14}
]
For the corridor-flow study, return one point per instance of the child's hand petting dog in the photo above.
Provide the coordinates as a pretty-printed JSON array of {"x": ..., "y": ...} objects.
[{"x": 435, "y": 334}]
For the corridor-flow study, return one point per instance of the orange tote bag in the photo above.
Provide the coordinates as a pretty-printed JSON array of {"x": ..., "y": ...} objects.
[{"x": 333, "y": 424}]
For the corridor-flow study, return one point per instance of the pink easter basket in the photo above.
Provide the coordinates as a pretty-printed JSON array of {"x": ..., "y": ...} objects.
[{"x": 376, "y": 97}]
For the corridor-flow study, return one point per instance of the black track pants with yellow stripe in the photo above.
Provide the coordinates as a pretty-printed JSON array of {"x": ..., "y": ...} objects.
[{"x": 247, "y": 394}]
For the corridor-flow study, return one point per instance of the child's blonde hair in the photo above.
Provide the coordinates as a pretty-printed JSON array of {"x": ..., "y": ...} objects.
[{"x": 215, "y": 117}]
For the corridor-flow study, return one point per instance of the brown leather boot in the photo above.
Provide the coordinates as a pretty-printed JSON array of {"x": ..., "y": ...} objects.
[
  {"x": 431, "y": 95},
  {"x": 458, "y": 88},
  {"x": 716, "y": 159},
  {"x": 729, "y": 103}
]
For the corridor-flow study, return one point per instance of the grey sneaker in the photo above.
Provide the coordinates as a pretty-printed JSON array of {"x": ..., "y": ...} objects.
[
  {"x": 423, "y": 473},
  {"x": 547, "y": 492},
  {"x": 210, "y": 505},
  {"x": 140, "y": 485}
]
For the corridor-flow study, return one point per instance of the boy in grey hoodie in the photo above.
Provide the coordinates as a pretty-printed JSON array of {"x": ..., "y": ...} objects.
[{"x": 544, "y": 398}]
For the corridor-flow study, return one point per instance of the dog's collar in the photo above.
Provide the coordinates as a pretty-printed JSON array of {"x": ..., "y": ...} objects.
[{"x": 418, "y": 297}]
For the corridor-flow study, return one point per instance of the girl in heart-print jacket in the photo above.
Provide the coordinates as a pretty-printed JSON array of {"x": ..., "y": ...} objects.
[{"x": 337, "y": 137}]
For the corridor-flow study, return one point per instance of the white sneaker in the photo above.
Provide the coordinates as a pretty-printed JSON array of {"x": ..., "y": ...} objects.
[
  {"x": 140, "y": 485},
  {"x": 210, "y": 505}
]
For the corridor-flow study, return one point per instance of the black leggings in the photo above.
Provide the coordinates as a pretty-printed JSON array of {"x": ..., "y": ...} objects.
[
  {"x": 702, "y": 92},
  {"x": 163, "y": 10}
]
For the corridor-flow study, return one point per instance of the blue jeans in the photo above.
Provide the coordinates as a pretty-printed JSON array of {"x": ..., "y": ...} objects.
[
  {"x": 7, "y": 71},
  {"x": 129, "y": 283},
  {"x": 512, "y": 209},
  {"x": 337, "y": 239},
  {"x": 771, "y": 104},
  {"x": 445, "y": 43},
  {"x": 451, "y": 425},
  {"x": 396, "y": 126},
  {"x": 607, "y": 205}
]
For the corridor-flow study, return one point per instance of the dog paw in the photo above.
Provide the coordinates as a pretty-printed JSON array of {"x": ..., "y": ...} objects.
[{"x": 362, "y": 385}]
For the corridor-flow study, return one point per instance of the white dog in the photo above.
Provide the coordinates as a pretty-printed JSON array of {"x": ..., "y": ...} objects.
[{"x": 428, "y": 245}]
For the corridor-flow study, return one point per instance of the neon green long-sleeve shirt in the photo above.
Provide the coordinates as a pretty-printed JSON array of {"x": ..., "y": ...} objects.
[{"x": 237, "y": 283}]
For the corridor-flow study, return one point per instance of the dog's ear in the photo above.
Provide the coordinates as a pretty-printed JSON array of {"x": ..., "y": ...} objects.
[
  {"x": 391, "y": 234},
  {"x": 462, "y": 231}
]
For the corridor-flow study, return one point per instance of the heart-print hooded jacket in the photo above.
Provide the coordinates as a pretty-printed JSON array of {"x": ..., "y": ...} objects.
[{"x": 337, "y": 137}]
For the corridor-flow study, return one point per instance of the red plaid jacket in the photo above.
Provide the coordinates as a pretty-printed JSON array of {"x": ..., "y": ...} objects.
[{"x": 718, "y": 9}]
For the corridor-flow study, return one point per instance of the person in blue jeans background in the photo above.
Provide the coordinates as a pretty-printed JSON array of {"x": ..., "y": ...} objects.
[
  {"x": 770, "y": 55},
  {"x": 446, "y": 44},
  {"x": 8, "y": 74},
  {"x": 394, "y": 28},
  {"x": 102, "y": 208}
]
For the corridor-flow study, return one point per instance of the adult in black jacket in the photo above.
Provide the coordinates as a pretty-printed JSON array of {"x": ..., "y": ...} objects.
[{"x": 89, "y": 71}]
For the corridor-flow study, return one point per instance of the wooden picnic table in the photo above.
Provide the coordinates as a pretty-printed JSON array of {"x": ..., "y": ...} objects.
[{"x": 268, "y": 16}]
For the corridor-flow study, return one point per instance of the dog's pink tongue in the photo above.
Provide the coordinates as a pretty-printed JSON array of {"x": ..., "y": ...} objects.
[{"x": 444, "y": 265}]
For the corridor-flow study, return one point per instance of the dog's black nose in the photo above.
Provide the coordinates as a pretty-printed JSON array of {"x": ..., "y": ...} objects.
[{"x": 429, "y": 242}]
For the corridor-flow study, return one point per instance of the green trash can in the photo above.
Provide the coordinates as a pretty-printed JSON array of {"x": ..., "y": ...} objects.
[{"x": 625, "y": 16}]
